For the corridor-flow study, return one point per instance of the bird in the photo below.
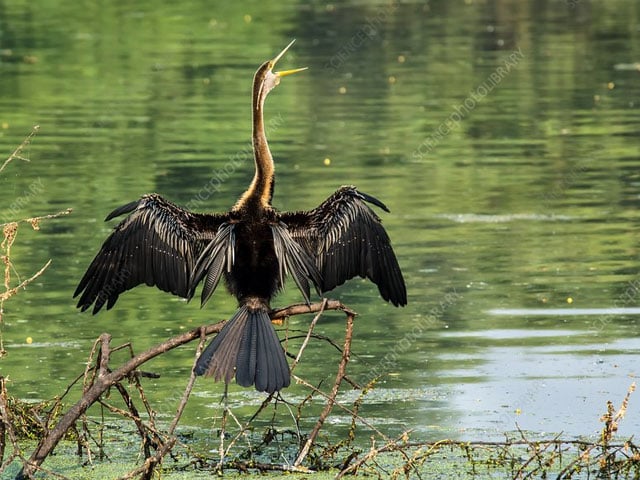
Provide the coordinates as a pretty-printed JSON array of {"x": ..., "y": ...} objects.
[{"x": 254, "y": 248}]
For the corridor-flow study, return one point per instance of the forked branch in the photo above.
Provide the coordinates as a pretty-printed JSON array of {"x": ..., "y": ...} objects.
[{"x": 106, "y": 378}]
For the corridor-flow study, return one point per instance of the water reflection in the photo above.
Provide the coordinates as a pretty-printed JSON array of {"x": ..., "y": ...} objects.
[
  {"x": 561, "y": 312},
  {"x": 531, "y": 199}
]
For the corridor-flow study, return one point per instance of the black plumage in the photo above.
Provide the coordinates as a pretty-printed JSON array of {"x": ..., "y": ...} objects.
[
  {"x": 347, "y": 239},
  {"x": 254, "y": 248},
  {"x": 157, "y": 244}
]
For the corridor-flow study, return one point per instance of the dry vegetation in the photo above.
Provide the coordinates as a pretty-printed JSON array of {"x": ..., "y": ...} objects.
[{"x": 50, "y": 422}]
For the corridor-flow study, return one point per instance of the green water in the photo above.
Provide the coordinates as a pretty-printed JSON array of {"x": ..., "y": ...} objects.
[{"x": 503, "y": 136}]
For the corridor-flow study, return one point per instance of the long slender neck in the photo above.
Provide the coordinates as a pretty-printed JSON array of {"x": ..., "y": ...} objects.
[{"x": 260, "y": 192}]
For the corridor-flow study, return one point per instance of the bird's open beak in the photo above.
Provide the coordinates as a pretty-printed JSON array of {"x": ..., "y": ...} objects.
[{"x": 284, "y": 73}]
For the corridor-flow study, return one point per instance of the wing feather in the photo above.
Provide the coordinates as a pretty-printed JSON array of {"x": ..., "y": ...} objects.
[
  {"x": 157, "y": 244},
  {"x": 347, "y": 239},
  {"x": 294, "y": 260},
  {"x": 211, "y": 263}
]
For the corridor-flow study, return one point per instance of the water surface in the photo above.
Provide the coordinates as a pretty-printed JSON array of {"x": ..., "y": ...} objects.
[{"x": 503, "y": 136}]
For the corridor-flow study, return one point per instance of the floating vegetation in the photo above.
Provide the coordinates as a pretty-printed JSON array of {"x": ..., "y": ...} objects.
[{"x": 107, "y": 442}]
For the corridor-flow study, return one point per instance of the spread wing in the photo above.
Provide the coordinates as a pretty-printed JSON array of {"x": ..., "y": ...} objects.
[
  {"x": 347, "y": 239},
  {"x": 157, "y": 244}
]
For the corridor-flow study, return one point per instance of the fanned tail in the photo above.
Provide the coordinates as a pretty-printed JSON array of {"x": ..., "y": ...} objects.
[{"x": 248, "y": 348}]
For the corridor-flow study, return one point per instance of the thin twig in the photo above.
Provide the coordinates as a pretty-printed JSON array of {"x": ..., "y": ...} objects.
[
  {"x": 35, "y": 221},
  {"x": 348, "y": 410},
  {"x": 309, "y": 332},
  {"x": 102, "y": 382},
  {"x": 187, "y": 391},
  {"x": 242, "y": 430},
  {"x": 342, "y": 366},
  {"x": 247, "y": 424},
  {"x": 283, "y": 313},
  {"x": 537, "y": 452},
  {"x": 267, "y": 467},
  {"x": 12, "y": 291},
  {"x": 135, "y": 416},
  {"x": 17, "y": 153},
  {"x": 223, "y": 426},
  {"x": 104, "y": 378},
  {"x": 149, "y": 464},
  {"x": 391, "y": 446}
]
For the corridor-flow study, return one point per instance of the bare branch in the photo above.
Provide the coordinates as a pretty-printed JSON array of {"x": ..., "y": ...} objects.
[
  {"x": 12, "y": 291},
  {"x": 309, "y": 332},
  {"x": 35, "y": 221},
  {"x": 102, "y": 382},
  {"x": 17, "y": 153},
  {"x": 106, "y": 378},
  {"x": 189, "y": 387},
  {"x": 346, "y": 352}
]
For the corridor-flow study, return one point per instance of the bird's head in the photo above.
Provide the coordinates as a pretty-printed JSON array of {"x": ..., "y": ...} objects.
[{"x": 266, "y": 79}]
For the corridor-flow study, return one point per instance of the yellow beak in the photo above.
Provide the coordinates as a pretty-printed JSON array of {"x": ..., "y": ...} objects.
[{"x": 284, "y": 73}]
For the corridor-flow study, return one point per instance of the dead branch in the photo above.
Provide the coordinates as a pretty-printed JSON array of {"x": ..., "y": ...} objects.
[
  {"x": 309, "y": 332},
  {"x": 10, "y": 230},
  {"x": 151, "y": 462},
  {"x": 346, "y": 352},
  {"x": 147, "y": 441},
  {"x": 147, "y": 468},
  {"x": 106, "y": 378},
  {"x": 348, "y": 410},
  {"x": 12, "y": 291},
  {"x": 35, "y": 221},
  {"x": 392, "y": 446},
  {"x": 17, "y": 153},
  {"x": 102, "y": 382},
  {"x": 301, "y": 308},
  {"x": 187, "y": 391},
  {"x": 6, "y": 427}
]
